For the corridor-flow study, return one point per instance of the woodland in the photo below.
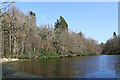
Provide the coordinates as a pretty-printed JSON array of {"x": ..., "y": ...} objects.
[{"x": 22, "y": 38}]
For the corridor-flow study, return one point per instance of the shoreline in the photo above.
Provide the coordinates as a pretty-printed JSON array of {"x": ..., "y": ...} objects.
[
  {"x": 42, "y": 57},
  {"x": 8, "y": 59}
]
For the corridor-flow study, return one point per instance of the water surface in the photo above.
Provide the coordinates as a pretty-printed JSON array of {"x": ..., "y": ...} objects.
[{"x": 102, "y": 66}]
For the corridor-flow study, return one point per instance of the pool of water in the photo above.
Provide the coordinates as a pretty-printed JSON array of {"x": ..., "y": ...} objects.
[{"x": 101, "y": 66}]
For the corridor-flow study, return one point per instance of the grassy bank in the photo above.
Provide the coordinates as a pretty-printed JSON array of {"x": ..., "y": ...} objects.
[{"x": 47, "y": 55}]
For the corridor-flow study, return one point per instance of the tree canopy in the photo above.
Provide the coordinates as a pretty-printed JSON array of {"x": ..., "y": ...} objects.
[
  {"x": 112, "y": 46},
  {"x": 61, "y": 24},
  {"x": 22, "y": 38}
]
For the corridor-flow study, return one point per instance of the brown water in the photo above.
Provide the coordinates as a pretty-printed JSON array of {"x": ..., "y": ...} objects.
[{"x": 102, "y": 66}]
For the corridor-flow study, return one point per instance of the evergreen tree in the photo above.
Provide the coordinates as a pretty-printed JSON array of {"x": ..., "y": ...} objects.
[
  {"x": 61, "y": 24},
  {"x": 114, "y": 34}
]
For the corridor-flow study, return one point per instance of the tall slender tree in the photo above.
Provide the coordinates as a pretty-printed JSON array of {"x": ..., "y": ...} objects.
[
  {"x": 61, "y": 24},
  {"x": 114, "y": 34}
]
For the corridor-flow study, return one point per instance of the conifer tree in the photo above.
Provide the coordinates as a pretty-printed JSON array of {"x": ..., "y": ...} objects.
[{"x": 61, "y": 24}]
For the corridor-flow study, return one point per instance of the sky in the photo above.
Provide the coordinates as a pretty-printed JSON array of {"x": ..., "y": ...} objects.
[{"x": 97, "y": 20}]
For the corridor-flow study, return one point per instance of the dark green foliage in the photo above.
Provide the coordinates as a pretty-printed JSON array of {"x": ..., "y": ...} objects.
[
  {"x": 114, "y": 34},
  {"x": 47, "y": 54},
  {"x": 61, "y": 24},
  {"x": 112, "y": 46},
  {"x": 31, "y": 13}
]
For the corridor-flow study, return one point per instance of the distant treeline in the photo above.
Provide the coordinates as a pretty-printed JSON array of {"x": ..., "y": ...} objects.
[
  {"x": 112, "y": 46},
  {"x": 22, "y": 38}
]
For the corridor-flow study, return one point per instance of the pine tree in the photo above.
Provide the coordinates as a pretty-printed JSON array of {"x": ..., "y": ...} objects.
[
  {"x": 114, "y": 34},
  {"x": 61, "y": 24}
]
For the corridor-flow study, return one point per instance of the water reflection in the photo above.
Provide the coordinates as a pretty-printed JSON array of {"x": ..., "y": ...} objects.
[{"x": 104, "y": 66}]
